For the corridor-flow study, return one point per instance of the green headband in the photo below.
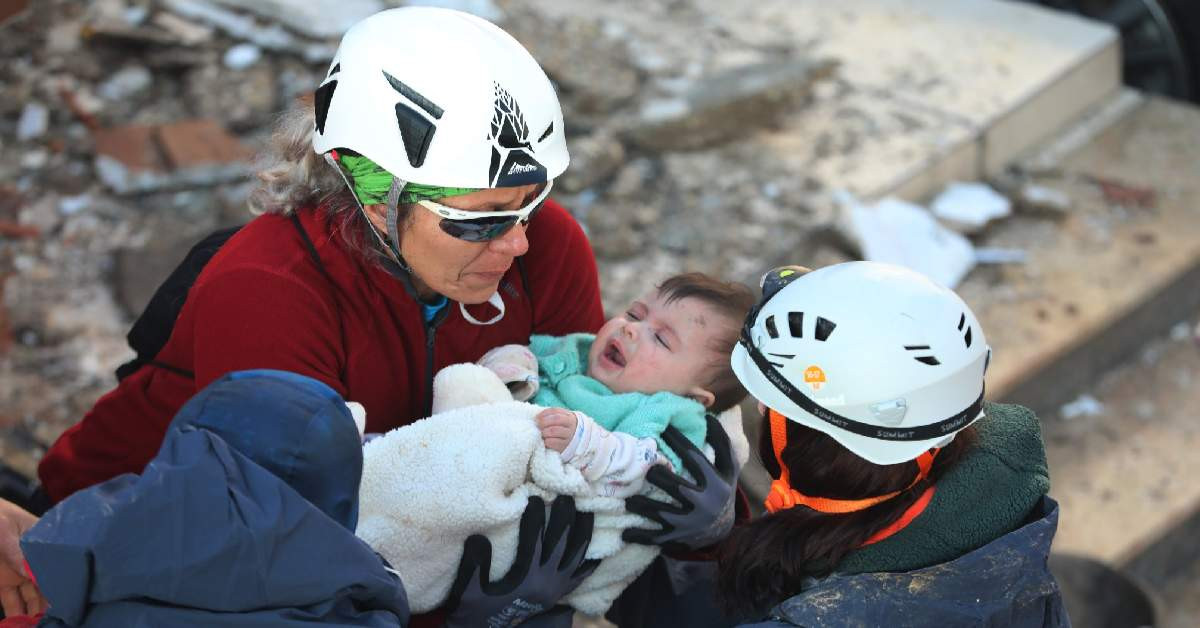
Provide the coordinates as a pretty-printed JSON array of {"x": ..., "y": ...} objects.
[{"x": 371, "y": 183}]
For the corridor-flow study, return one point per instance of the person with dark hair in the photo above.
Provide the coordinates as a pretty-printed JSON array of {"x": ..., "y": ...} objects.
[{"x": 901, "y": 497}]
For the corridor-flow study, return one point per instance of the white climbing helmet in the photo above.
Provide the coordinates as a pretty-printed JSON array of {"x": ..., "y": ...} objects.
[
  {"x": 441, "y": 97},
  {"x": 880, "y": 358}
]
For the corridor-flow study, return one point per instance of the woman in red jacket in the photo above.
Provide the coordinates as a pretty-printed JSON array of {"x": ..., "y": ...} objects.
[{"x": 405, "y": 225}]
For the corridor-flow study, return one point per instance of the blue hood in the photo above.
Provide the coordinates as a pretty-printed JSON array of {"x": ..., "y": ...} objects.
[
  {"x": 255, "y": 530},
  {"x": 295, "y": 427}
]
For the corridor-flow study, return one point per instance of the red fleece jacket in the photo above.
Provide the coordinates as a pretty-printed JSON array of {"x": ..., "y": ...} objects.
[{"x": 262, "y": 302}]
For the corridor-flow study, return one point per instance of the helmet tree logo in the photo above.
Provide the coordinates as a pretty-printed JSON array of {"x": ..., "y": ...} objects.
[
  {"x": 512, "y": 162},
  {"x": 814, "y": 377}
]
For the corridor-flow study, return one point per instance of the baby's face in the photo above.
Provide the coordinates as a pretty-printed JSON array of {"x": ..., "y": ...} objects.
[{"x": 657, "y": 346}]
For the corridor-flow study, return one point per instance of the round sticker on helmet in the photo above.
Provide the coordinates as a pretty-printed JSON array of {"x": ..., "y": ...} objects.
[{"x": 814, "y": 377}]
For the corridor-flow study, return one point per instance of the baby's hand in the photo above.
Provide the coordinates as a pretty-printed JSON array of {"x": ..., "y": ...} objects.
[{"x": 557, "y": 426}]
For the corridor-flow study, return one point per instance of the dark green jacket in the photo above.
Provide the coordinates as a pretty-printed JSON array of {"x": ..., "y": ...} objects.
[{"x": 975, "y": 557}]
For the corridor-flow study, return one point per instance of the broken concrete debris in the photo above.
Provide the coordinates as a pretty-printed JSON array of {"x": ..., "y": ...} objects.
[
  {"x": 1043, "y": 198},
  {"x": 318, "y": 19},
  {"x": 135, "y": 159},
  {"x": 727, "y": 106},
  {"x": 1084, "y": 405},
  {"x": 242, "y": 56},
  {"x": 243, "y": 27},
  {"x": 128, "y": 82},
  {"x": 35, "y": 119}
]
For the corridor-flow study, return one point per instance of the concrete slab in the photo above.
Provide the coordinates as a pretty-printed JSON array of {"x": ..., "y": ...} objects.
[
  {"x": 1061, "y": 99},
  {"x": 926, "y": 92},
  {"x": 1106, "y": 277},
  {"x": 1124, "y": 476},
  {"x": 1009, "y": 74},
  {"x": 873, "y": 145}
]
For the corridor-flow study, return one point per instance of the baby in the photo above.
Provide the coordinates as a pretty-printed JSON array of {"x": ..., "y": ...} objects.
[
  {"x": 601, "y": 402},
  {"x": 609, "y": 396}
]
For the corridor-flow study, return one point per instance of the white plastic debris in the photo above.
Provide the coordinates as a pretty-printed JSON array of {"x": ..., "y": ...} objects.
[
  {"x": 898, "y": 232},
  {"x": 245, "y": 27},
  {"x": 1045, "y": 198},
  {"x": 1001, "y": 256},
  {"x": 320, "y": 19},
  {"x": 1084, "y": 405},
  {"x": 242, "y": 56},
  {"x": 129, "y": 81},
  {"x": 35, "y": 159},
  {"x": 189, "y": 33},
  {"x": 485, "y": 9},
  {"x": 34, "y": 120},
  {"x": 135, "y": 15},
  {"x": 968, "y": 207},
  {"x": 73, "y": 204}
]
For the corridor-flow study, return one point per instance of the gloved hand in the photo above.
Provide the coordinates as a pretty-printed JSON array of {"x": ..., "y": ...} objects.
[
  {"x": 516, "y": 366},
  {"x": 549, "y": 564},
  {"x": 706, "y": 506}
]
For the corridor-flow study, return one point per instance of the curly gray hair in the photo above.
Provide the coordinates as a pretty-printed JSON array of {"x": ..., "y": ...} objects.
[{"x": 291, "y": 175}]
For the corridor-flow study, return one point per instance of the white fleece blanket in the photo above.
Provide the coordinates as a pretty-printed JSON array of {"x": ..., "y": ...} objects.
[{"x": 470, "y": 469}]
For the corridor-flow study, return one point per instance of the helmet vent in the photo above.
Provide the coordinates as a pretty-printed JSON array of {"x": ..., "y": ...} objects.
[
  {"x": 824, "y": 328},
  {"x": 321, "y": 100},
  {"x": 796, "y": 324},
  {"x": 416, "y": 132},
  {"x": 925, "y": 359},
  {"x": 962, "y": 319},
  {"x": 334, "y": 70},
  {"x": 967, "y": 337},
  {"x": 770, "y": 323},
  {"x": 547, "y": 132},
  {"x": 416, "y": 97}
]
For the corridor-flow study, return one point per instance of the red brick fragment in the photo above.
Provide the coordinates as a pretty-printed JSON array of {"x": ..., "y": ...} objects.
[
  {"x": 12, "y": 230},
  {"x": 10, "y": 8},
  {"x": 200, "y": 142},
  {"x": 134, "y": 146},
  {"x": 175, "y": 146}
]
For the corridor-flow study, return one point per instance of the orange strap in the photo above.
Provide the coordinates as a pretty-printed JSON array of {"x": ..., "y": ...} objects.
[
  {"x": 783, "y": 496},
  {"x": 910, "y": 513}
]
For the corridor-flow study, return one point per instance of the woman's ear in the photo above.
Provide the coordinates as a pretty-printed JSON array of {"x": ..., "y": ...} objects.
[
  {"x": 705, "y": 397},
  {"x": 377, "y": 214}
]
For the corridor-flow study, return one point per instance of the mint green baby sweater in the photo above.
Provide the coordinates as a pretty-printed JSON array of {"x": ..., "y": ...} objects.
[{"x": 562, "y": 368}]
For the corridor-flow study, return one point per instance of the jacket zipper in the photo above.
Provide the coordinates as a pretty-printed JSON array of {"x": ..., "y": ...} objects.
[{"x": 430, "y": 333}]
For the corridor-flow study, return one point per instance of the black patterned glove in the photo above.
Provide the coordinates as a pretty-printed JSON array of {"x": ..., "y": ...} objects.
[
  {"x": 705, "y": 510},
  {"x": 549, "y": 564}
]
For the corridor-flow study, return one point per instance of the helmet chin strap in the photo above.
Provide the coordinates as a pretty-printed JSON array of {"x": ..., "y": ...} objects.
[
  {"x": 392, "y": 218},
  {"x": 496, "y": 302}
]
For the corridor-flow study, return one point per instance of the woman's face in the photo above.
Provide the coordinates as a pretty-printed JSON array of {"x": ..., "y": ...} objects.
[{"x": 467, "y": 272}]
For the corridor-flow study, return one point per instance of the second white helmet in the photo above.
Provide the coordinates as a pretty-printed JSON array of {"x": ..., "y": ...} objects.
[
  {"x": 879, "y": 357},
  {"x": 441, "y": 97}
]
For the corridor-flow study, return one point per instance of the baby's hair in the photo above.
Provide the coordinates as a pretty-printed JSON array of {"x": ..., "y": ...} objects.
[{"x": 731, "y": 300}]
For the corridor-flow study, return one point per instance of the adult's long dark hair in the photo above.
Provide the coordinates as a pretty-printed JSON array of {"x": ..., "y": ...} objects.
[{"x": 765, "y": 561}]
